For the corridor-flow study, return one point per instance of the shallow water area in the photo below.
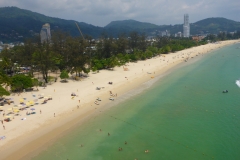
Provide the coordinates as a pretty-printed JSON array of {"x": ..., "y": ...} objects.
[{"x": 184, "y": 115}]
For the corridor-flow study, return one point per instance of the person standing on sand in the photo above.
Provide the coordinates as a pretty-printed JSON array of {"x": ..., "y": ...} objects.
[
  {"x": 40, "y": 112},
  {"x": 3, "y": 127},
  {"x": 2, "y": 121},
  {"x": 54, "y": 114}
]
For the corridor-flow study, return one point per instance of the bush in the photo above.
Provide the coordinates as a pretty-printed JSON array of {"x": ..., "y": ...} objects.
[
  {"x": 20, "y": 82},
  {"x": 64, "y": 75},
  {"x": 3, "y": 92}
]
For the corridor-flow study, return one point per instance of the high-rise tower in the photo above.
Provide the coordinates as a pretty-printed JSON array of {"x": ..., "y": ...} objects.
[
  {"x": 45, "y": 33},
  {"x": 186, "y": 26}
]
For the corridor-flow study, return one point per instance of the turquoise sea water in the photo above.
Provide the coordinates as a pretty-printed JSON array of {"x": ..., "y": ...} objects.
[{"x": 183, "y": 116}]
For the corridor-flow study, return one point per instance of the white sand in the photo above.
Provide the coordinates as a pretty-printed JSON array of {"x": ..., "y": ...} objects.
[{"x": 17, "y": 131}]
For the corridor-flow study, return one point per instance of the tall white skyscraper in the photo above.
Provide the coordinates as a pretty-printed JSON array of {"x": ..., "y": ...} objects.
[
  {"x": 45, "y": 33},
  {"x": 186, "y": 26}
]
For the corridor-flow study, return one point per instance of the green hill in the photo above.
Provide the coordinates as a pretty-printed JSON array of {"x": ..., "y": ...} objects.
[
  {"x": 126, "y": 26},
  {"x": 17, "y": 24},
  {"x": 209, "y": 25},
  {"x": 214, "y": 25}
]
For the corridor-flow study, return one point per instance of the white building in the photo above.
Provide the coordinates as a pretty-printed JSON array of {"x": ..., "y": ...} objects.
[
  {"x": 179, "y": 34},
  {"x": 186, "y": 26},
  {"x": 165, "y": 33},
  {"x": 45, "y": 33}
]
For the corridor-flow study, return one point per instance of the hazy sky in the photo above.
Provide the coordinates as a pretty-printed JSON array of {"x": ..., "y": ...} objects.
[{"x": 102, "y": 12}]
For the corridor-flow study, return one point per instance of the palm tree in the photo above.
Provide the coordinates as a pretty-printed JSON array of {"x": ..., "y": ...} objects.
[{"x": 4, "y": 65}]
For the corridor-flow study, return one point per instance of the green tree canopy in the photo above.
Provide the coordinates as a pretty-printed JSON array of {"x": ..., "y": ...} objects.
[
  {"x": 3, "y": 92},
  {"x": 20, "y": 81},
  {"x": 64, "y": 74}
]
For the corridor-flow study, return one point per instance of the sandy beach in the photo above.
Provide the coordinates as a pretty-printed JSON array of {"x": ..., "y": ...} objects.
[{"x": 27, "y": 134}]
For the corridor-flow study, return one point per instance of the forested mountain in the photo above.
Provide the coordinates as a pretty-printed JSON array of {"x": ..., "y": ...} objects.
[
  {"x": 18, "y": 24},
  {"x": 214, "y": 25},
  {"x": 126, "y": 26}
]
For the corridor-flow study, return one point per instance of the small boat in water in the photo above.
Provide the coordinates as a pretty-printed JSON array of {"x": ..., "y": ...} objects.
[
  {"x": 225, "y": 91},
  {"x": 238, "y": 82}
]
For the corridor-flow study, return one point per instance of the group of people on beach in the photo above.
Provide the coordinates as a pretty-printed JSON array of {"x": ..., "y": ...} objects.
[
  {"x": 3, "y": 124},
  {"x": 113, "y": 95},
  {"x": 2, "y": 121}
]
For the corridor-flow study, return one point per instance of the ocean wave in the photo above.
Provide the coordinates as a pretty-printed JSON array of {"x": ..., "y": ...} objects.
[{"x": 238, "y": 83}]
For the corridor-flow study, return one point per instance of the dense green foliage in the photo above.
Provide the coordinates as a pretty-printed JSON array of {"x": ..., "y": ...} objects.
[
  {"x": 64, "y": 74},
  {"x": 222, "y": 36},
  {"x": 3, "y": 92},
  {"x": 4, "y": 79},
  {"x": 20, "y": 82},
  {"x": 75, "y": 55},
  {"x": 29, "y": 24}
]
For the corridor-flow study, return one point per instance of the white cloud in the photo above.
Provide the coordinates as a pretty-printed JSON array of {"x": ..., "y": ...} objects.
[{"x": 102, "y": 12}]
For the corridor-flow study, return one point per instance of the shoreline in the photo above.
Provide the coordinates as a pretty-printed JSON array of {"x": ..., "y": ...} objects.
[{"x": 22, "y": 143}]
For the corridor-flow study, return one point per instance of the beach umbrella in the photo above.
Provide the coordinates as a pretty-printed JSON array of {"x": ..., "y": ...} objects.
[
  {"x": 10, "y": 109},
  {"x": 32, "y": 109},
  {"x": 32, "y": 103},
  {"x": 28, "y": 104},
  {"x": 21, "y": 100},
  {"x": 16, "y": 110}
]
